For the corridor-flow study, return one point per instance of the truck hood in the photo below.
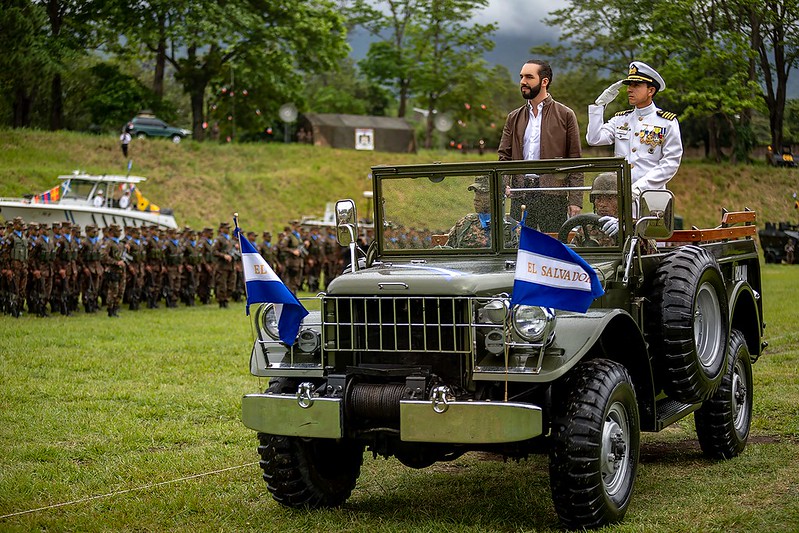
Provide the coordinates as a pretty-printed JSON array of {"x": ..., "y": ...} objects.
[{"x": 472, "y": 277}]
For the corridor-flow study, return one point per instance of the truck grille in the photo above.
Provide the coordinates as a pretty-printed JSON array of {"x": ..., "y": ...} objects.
[{"x": 423, "y": 324}]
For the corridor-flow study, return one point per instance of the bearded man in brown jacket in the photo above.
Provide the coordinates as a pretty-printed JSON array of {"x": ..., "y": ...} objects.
[{"x": 542, "y": 129}]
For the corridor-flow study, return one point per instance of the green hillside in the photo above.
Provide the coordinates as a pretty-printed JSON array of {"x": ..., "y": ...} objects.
[{"x": 269, "y": 184}]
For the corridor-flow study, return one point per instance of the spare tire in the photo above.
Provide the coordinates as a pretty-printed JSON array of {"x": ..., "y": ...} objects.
[{"x": 688, "y": 324}]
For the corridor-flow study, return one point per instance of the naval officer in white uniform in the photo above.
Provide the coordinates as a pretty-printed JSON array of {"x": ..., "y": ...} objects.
[{"x": 648, "y": 137}]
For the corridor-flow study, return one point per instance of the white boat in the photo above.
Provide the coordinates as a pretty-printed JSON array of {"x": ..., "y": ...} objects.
[{"x": 89, "y": 199}]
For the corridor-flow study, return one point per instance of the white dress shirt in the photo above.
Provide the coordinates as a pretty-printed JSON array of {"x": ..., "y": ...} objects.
[{"x": 532, "y": 134}]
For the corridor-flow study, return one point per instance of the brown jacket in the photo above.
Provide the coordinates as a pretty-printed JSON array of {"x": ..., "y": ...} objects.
[{"x": 560, "y": 138}]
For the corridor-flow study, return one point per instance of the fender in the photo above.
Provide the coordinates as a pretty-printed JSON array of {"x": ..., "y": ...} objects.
[
  {"x": 608, "y": 334},
  {"x": 745, "y": 316}
]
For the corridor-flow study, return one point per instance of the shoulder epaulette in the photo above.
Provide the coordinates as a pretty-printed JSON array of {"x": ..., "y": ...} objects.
[
  {"x": 668, "y": 115},
  {"x": 622, "y": 113}
]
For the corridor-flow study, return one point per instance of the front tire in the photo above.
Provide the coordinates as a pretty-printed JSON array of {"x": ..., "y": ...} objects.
[
  {"x": 176, "y": 139},
  {"x": 596, "y": 438},
  {"x": 723, "y": 421},
  {"x": 308, "y": 473}
]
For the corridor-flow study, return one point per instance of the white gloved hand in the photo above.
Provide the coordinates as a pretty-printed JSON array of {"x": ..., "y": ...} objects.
[
  {"x": 610, "y": 226},
  {"x": 609, "y": 94}
]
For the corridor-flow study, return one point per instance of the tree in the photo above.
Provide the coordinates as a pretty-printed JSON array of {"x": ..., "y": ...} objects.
[
  {"x": 772, "y": 27},
  {"x": 25, "y": 59},
  {"x": 270, "y": 43},
  {"x": 71, "y": 34},
  {"x": 388, "y": 59},
  {"x": 447, "y": 55},
  {"x": 693, "y": 38}
]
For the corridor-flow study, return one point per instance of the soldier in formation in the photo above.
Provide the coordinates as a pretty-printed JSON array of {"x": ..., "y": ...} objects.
[{"x": 63, "y": 265}]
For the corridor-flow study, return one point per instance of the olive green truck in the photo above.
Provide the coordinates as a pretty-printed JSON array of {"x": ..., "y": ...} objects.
[{"x": 416, "y": 352}]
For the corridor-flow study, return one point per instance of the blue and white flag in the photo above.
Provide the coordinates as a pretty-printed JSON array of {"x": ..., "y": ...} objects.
[
  {"x": 263, "y": 286},
  {"x": 550, "y": 274}
]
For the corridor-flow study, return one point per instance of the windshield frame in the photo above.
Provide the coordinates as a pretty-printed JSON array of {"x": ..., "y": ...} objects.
[{"x": 495, "y": 170}]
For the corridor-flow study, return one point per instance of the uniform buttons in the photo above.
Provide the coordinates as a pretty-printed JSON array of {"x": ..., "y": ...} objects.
[
  {"x": 634, "y": 149},
  {"x": 640, "y": 119}
]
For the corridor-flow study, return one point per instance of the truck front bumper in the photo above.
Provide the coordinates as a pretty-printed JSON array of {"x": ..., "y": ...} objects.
[{"x": 472, "y": 422}]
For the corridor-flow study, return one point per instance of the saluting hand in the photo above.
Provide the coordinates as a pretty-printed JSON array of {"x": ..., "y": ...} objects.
[{"x": 609, "y": 94}]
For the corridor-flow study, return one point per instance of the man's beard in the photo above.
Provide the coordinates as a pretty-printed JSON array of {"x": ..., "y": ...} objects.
[{"x": 534, "y": 91}]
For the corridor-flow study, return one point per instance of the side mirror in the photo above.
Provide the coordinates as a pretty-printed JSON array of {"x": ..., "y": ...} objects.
[
  {"x": 346, "y": 222},
  {"x": 656, "y": 208}
]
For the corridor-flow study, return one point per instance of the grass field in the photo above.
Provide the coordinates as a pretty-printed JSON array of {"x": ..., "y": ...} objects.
[{"x": 133, "y": 424}]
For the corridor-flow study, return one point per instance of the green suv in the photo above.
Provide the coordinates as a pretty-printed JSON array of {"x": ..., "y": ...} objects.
[
  {"x": 418, "y": 352},
  {"x": 143, "y": 127}
]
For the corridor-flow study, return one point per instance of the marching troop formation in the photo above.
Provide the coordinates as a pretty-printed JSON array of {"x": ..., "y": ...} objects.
[{"x": 59, "y": 266}]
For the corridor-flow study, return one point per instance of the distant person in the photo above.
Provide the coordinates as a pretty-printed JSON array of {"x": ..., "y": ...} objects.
[
  {"x": 124, "y": 201},
  {"x": 542, "y": 129},
  {"x": 124, "y": 141},
  {"x": 648, "y": 137},
  {"x": 98, "y": 200}
]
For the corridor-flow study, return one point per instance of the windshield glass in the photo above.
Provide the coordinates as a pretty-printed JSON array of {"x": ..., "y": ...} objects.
[
  {"x": 79, "y": 189},
  {"x": 457, "y": 212}
]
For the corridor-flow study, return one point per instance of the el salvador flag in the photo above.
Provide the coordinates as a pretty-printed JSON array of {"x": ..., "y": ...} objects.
[
  {"x": 550, "y": 274},
  {"x": 263, "y": 286}
]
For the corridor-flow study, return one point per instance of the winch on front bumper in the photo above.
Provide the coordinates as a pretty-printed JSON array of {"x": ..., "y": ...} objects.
[{"x": 440, "y": 419}]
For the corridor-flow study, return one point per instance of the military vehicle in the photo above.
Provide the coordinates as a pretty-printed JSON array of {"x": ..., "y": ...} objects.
[
  {"x": 776, "y": 238},
  {"x": 417, "y": 353}
]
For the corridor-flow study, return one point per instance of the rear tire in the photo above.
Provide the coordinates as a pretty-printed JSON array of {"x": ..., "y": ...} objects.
[
  {"x": 689, "y": 324},
  {"x": 141, "y": 135},
  {"x": 723, "y": 421},
  {"x": 596, "y": 439}
]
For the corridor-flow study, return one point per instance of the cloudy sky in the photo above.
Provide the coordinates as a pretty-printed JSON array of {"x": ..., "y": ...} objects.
[
  {"x": 519, "y": 24},
  {"x": 520, "y": 27}
]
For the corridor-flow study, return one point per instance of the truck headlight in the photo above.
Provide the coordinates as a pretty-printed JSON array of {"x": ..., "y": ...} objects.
[
  {"x": 268, "y": 320},
  {"x": 533, "y": 323}
]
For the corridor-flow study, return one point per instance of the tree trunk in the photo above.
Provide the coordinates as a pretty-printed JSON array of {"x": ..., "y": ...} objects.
[
  {"x": 56, "y": 103},
  {"x": 403, "y": 98},
  {"x": 713, "y": 149},
  {"x": 197, "y": 110},
  {"x": 22, "y": 108},
  {"x": 160, "y": 58},
  {"x": 430, "y": 126}
]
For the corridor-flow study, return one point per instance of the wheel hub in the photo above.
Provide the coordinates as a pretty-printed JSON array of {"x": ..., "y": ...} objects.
[{"x": 614, "y": 457}]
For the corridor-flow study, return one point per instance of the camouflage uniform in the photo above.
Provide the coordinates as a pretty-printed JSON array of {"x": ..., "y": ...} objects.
[
  {"x": 17, "y": 273},
  {"x": 111, "y": 252},
  {"x": 61, "y": 271},
  {"x": 206, "y": 275},
  {"x": 330, "y": 267},
  {"x": 291, "y": 252},
  {"x": 173, "y": 259},
  {"x": 267, "y": 251},
  {"x": 135, "y": 268},
  {"x": 191, "y": 264},
  {"x": 225, "y": 269},
  {"x": 154, "y": 268},
  {"x": 92, "y": 269},
  {"x": 42, "y": 258}
]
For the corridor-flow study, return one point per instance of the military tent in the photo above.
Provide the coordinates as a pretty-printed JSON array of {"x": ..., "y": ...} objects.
[{"x": 359, "y": 132}]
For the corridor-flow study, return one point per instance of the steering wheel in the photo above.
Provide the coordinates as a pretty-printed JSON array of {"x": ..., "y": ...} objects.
[{"x": 583, "y": 220}]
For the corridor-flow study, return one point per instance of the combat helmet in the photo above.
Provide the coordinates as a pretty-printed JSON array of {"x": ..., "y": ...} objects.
[{"x": 604, "y": 183}]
